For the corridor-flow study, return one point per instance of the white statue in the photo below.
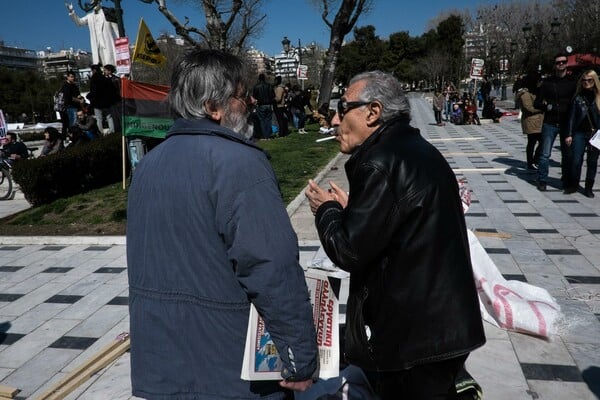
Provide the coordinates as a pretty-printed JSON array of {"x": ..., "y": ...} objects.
[{"x": 102, "y": 33}]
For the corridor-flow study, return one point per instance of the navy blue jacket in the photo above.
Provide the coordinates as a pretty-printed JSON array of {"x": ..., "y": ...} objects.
[{"x": 208, "y": 233}]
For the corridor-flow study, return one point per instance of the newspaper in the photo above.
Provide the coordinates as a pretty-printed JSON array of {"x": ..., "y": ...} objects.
[{"x": 261, "y": 358}]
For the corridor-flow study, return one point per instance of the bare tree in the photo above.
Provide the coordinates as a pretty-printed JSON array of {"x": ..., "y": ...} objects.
[
  {"x": 342, "y": 23},
  {"x": 503, "y": 23},
  {"x": 229, "y": 24},
  {"x": 580, "y": 24}
]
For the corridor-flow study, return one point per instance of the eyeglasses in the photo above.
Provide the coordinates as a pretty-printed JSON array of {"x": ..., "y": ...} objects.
[
  {"x": 560, "y": 62},
  {"x": 242, "y": 98},
  {"x": 587, "y": 80},
  {"x": 344, "y": 106}
]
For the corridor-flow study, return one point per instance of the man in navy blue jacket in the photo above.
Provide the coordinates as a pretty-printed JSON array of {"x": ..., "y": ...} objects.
[{"x": 208, "y": 234}]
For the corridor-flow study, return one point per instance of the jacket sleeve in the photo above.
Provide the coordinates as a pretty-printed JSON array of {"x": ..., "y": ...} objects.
[
  {"x": 263, "y": 249},
  {"x": 540, "y": 99},
  {"x": 571, "y": 120},
  {"x": 527, "y": 103},
  {"x": 355, "y": 236}
]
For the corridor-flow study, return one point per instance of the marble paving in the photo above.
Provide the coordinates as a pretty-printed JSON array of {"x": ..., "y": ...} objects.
[{"x": 63, "y": 299}]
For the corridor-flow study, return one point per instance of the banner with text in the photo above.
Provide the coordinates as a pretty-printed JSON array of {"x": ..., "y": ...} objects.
[{"x": 145, "y": 111}]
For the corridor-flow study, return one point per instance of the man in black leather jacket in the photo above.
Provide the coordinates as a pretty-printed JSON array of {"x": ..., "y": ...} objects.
[
  {"x": 554, "y": 98},
  {"x": 412, "y": 313}
]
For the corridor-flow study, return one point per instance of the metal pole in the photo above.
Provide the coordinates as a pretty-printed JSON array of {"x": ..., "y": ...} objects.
[{"x": 119, "y": 12}]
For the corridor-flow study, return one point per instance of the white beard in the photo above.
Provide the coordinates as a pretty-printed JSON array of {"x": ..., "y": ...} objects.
[{"x": 237, "y": 122}]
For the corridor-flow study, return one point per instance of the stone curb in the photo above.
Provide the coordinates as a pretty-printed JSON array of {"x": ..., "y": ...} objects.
[{"x": 294, "y": 204}]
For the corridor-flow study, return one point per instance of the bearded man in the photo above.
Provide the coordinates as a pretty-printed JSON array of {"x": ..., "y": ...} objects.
[{"x": 208, "y": 234}]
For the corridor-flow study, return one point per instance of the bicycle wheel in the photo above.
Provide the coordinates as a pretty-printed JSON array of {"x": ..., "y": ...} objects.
[{"x": 5, "y": 184}]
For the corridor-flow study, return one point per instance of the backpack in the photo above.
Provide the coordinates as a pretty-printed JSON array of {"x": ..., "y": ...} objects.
[{"x": 59, "y": 102}]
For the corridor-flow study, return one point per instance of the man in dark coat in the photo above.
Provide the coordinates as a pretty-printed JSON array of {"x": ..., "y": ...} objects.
[
  {"x": 207, "y": 235},
  {"x": 554, "y": 98},
  {"x": 73, "y": 102},
  {"x": 412, "y": 314},
  {"x": 103, "y": 95},
  {"x": 264, "y": 95}
]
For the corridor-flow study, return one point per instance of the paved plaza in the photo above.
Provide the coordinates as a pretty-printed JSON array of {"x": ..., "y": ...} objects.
[{"x": 62, "y": 299}]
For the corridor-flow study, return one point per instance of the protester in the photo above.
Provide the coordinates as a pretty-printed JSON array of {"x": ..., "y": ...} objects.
[
  {"x": 584, "y": 120},
  {"x": 208, "y": 234},
  {"x": 490, "y": 111},
  {"x": 554, "y": 99},
  {"x": 88, "y": 125},
  {"x": 299, "y": 101},
  {"x": 457, "y": 116},
  {"x": 77, "y": 137},
  {"x": 280, "y": 107},
  {"x": 109, "y": 71},
  {"x": 531, "y": 118},
  {"x": 53, "y": 143},
  {"x": 72, "y": 100},
  {"x": 471, "y": 116},
  {"x": 438, "y": 106},
  {"x": 264, "y": 95},
  {"x": 14, "y": 150},
  {"x": 412, "y": 315},
  {"x": 102, "y": 96}
]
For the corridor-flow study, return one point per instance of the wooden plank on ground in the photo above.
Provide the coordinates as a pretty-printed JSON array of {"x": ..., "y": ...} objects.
[
  {"x": 8, "y": 392},
  {"x": 500, "y": 235},
  {"x": 82, "y": 373}
]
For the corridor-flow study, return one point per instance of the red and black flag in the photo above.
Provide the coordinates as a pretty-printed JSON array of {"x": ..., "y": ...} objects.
[{"x": 145, "y": 111}]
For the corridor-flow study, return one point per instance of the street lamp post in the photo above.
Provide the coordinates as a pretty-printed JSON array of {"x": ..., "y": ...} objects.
[
  {"x": 287, "y": 48},
  {"x": 534, "y": 35}
]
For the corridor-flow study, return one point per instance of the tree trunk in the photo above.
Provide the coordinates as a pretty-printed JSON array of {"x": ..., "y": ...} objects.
[{"x": 328, "y": 74}]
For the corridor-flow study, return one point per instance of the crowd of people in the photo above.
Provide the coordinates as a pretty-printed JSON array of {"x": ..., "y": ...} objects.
[
  {"x": 564, "y": 106},
  {"x": 103, "y": 107},
  {"x": 459, "y": 110},
  {"x": 290, "y": 105}
]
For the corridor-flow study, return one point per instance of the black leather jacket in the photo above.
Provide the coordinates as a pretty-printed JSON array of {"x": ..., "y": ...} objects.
[
  {"x": 582, "y": 107},
  {"x": 403, "y": 239},
  {"x": 554, "y": 98}
]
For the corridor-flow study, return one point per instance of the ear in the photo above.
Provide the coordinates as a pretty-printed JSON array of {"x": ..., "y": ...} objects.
[
  {"x": 374, "y": 115},
  {"x": 213, "y": 112}
]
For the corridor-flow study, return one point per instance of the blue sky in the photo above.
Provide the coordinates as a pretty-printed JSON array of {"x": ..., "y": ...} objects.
[{"x": 38, "y": 24}]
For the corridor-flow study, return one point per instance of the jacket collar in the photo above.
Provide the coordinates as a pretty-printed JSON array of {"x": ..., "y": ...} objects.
[
  {"x": 207, "y": 127},
  {"x": 380, "y": 131}
]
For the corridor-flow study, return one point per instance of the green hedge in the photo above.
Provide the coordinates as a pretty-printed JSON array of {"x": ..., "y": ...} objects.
[{"x": 70, "y": 172}]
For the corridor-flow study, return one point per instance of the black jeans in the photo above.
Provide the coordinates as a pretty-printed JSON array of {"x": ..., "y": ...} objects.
[
  {"x": 533, "y": 153},
  {"x": 282, "y": 121},
  {"x": 434, "y": 381}
]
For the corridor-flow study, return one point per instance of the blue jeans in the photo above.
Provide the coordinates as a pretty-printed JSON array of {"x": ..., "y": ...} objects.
[
  {"x": 265, "y": 116},
  {"x": 448, "y": 109},
  {"x": 578, "y": 146},
  {"x": 549, "y": 133},
  {"x": 72, "y": 113}
]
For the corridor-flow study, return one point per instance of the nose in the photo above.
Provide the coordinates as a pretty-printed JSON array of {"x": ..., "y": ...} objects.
[{"x": 335, "y": 121}]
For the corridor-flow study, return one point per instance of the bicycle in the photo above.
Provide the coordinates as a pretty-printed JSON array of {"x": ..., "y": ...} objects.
[
  {"x": 7, "y": 191},
  {"x": 6, "y": 183}
]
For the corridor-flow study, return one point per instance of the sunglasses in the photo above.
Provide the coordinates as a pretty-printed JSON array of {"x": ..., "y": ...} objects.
[
  {"x": 344, "y": 106},
  {"x": 561, "y": 62},
  {"x": 587, "y": 80}
]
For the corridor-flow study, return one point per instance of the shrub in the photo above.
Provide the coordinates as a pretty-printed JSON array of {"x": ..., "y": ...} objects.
[{"x": 70, "y": 172}]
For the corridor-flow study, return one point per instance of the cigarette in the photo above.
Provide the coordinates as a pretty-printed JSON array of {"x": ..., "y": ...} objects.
[{"x": 325, "y": 138}]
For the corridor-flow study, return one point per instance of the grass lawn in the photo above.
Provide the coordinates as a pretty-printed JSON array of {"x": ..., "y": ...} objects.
[{"x": 295, "y": 159}]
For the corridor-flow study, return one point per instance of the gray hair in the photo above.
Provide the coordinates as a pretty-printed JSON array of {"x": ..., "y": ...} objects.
[
  {"x": 204, "y": 76},
  {"x": 386, "y": 89}
]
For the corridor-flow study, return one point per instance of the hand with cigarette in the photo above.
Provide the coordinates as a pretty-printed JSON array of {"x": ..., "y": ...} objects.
[{"x": 317, "y": 195}]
